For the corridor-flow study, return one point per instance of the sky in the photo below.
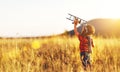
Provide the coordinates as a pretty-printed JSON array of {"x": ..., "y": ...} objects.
[{"x": 48, "y": 17}]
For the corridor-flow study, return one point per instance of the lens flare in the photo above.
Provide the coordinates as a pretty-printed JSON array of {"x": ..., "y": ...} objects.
[{"x": 35, "y": 44}]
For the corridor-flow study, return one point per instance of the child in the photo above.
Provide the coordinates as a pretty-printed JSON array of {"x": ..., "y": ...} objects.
[{"x": 86, "y": 42}]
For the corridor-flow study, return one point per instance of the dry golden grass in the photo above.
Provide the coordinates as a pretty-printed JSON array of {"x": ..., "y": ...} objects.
[{"x": 57, "y": 54}]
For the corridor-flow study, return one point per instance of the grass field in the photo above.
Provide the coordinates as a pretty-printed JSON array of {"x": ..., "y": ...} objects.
[{"x": 57, "y": 54}]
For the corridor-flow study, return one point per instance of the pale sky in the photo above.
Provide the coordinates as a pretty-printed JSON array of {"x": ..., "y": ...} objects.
[{"x": 48, "y": 17}]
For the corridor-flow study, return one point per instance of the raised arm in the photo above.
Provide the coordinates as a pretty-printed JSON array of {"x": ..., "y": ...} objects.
[{"x": 75, "y": 28}]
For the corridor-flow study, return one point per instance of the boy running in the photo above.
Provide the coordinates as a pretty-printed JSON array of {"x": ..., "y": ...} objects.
[{"x": 86, "y": 42}]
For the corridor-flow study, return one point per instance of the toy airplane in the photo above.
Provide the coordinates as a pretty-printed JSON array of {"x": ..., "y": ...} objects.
[{"x": 72, "y": 17}]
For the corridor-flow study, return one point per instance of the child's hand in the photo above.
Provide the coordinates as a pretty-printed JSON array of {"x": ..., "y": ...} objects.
[{"x": 76, "y": 21}]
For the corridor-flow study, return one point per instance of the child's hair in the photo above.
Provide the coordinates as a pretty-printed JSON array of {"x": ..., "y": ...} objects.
[{"x": 89, "y": 30}]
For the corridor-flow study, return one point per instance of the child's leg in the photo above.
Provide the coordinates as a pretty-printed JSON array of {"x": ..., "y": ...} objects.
[
  {"x": 83, "y": 59},
  {"x": 86, "y": 59},
  {"x": 89, "y": 62}
]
